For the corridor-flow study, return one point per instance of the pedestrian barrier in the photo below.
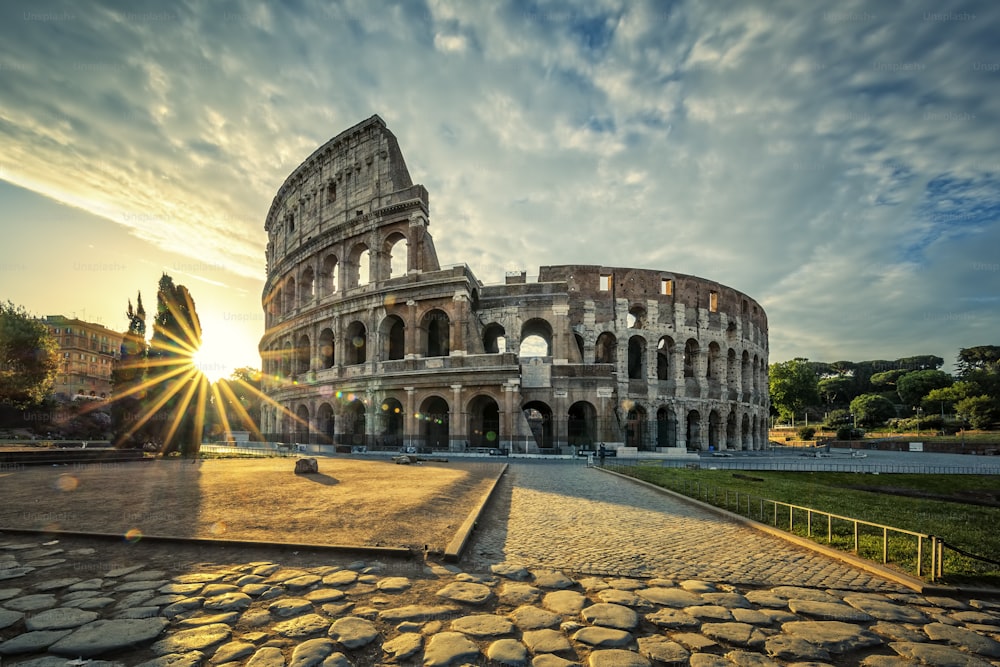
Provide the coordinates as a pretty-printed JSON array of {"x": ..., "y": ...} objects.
[
  {"x": 262, "y": 449},
  {"x": 832, "y": 465}
]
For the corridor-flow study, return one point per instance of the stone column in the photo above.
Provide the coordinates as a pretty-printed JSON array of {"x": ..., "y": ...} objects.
[
  {"x": 410, "y": 335},
  {"x": 677, "y": 364},
  {"x": 737, "y": 378},
  {"x": 507, "y": 417},
  {"x": 701, "y": 371},
  {"x": 560, "y": 431},
  {"x": 458, "y": 422},
  {"x": 560, "y": 348},
  {"x": 414, "y": 241},
  {"x": 704, "y": 424},
  {"x": 722, "y": 366},
  {"x": 456, "y": 346},
  {"x": 370, "y": 416},
  {"x": 409, "y": 422},
  {"x": 680, "y": 424}
]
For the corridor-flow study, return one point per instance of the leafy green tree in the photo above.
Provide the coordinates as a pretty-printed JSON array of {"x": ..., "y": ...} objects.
[
  {"x": 837, "y": 418},
  {"x": 944, "y": 399},
  {"x": 872, "y": 409},
  {"x": 793, "y": 386},
  {"x": 914, "y": 386},
  {"x": 836, "y": 389},
  {"x": 980, "y": 411},
  {"x": 887, "y": 378},
  {"x": 982, "y": 357},
  {"x": 28, "y": 358},
  {"x": 923, "y": 362}
]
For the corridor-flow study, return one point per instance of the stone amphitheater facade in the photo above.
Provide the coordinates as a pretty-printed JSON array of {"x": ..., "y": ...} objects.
[{"x": 370, "y": 341}]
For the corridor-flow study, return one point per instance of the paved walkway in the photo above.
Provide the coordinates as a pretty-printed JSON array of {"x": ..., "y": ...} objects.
[
  {"x": 573, "y": 567},
  {"x": 587, "y": 521}
]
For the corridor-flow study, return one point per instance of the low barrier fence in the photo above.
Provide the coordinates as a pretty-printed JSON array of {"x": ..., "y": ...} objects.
[
  {"x": 845, "y": 464},
  {"x": 250, "y": 449},
  {"x": 922, "y": 553}
]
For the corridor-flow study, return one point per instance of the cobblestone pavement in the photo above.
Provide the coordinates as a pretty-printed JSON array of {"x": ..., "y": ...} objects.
[
  {"x": 668, "y": 584},
  {"x": 584, "y": 520}
]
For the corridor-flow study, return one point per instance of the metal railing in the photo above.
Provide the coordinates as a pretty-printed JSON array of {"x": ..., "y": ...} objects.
[
  {"x": 766, "y": 510},
  {"x": 835, "y": 465}
]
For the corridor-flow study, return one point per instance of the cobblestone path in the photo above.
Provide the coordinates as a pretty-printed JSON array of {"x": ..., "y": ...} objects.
[{"x": 581, "y": 519}]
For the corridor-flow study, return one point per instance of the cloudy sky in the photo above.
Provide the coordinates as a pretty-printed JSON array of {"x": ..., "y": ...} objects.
[{"x": 839, "y": 162}]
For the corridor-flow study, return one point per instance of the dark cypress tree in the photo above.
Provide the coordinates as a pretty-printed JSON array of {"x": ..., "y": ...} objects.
[
  {"x": 176, "y": 390},
  {"x": 127, "y": 376}
]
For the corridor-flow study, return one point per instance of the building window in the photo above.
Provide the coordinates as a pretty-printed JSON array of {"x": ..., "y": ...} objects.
[
  {"x": 666, "y": 286},
  {"x": 605, "y": 282},
  {"x": 331, "y": 192},
  {"x": 713, "y": 302}
]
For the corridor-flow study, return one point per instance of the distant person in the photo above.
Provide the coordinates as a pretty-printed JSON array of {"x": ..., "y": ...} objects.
[{"x": 601, "y": 453}]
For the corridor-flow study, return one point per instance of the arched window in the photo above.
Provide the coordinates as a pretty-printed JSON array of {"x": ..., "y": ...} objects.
[
  {"x": 397, "y": 252},
  {"x": 393, "y": 338},
  {"x": 536, "y": 339},
  {"x": 328, "y": 275},
  {"x": 357, "y": 344},
  {"x": 494, "y": 339},
  {"x": 290, "y": 303},
  {"x": 302, "y": 355},
  {"x": 435, "y": 332},
  {"x": 605, "y": 351},
  {"x": 326, "y": 348},
  {"x": 691, "y": 350},
  {"x": 664, "y": 350},
  {"x": 358, "y": 266},
  {"x": 307, "y": 287},
  {"x": 637, "y": 358},
  {"x": 636, "y": 318}
]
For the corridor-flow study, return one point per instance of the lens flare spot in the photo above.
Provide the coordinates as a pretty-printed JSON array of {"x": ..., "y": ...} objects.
[
  {"x": 358, "y": 342},
  {"x": 628, "y": 404},
  {"x": 67, "y": 483},
  {"x": 133, "y": 535},
  {"x": 326, "y": 391},
  {"x": 218, "y": 528},
  {"x": 491, "y": 436},
  {"x": 390, "y": 300}
]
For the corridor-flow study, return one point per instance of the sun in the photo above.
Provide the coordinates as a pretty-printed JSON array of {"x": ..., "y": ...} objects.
[{"x": 213, "y": 366}]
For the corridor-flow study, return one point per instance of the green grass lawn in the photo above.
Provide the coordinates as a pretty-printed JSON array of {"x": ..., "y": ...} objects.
[{"x": 940, "y": 505}]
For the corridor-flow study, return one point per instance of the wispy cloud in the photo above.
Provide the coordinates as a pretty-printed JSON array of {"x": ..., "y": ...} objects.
[{"x": 837, "y": 162}]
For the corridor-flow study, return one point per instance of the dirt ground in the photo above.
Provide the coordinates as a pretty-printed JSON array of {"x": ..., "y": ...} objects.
[{"x": 351, "y": 502}]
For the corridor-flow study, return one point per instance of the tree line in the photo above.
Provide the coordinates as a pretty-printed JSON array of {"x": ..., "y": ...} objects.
[{"x": 913, "y": 390}]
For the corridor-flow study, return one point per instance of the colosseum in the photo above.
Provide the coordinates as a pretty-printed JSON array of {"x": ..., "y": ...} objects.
[{"x": 370, "y": 342}]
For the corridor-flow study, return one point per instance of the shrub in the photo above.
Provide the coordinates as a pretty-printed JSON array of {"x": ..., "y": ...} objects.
[
  {"x": 806, "y": 433},
  {"x": 838, "y": 418},
  {"x": 849, "y": 433}
]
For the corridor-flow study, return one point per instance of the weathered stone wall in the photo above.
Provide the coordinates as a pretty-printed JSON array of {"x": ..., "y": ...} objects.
[{"x": 415, "y": 355}]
